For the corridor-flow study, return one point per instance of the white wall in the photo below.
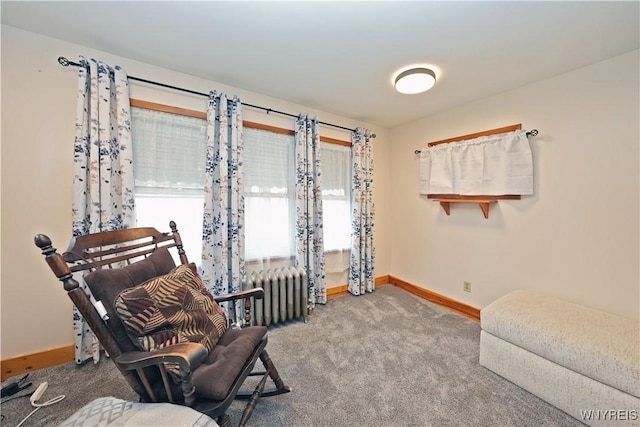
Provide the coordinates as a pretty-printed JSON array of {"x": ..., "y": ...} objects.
[
  {"x": 577, "y": 237},
  {"x": 38, "y": 114}
]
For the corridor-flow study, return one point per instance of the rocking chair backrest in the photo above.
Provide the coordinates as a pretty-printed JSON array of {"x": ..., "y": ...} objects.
[{"x": 108, "y": 250}]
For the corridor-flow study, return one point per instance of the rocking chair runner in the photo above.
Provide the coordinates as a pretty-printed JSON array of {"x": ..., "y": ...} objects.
[{"x": 208, "y": 381}]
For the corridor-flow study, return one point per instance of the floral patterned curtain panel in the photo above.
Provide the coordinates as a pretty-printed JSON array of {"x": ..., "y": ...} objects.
[
  {"x": 103, "y": 182},
  {"x": 309, "y": 233},
  {"x": 223, "y": 222},
  {"x": 361, "y": 267}
]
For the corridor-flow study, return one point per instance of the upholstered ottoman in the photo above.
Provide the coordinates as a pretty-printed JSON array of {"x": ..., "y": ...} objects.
[
  {"x": 112, "y": 412},
  {"x": 583, "y": 361}
]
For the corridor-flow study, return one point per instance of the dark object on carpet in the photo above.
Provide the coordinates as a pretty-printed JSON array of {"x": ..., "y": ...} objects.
[{"x": 15, "y": 386}]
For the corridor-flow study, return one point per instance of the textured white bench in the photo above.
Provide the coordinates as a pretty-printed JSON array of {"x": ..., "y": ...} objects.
[{"x": 583, "y": 361}]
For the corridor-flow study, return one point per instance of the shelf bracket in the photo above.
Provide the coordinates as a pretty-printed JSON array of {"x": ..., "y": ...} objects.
[
  {"x": 485, "y": 209},
  {"x": 446, "y": 207}
]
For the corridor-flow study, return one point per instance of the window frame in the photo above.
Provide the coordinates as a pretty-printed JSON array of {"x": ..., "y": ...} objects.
[{"x": 203, "y": 115}]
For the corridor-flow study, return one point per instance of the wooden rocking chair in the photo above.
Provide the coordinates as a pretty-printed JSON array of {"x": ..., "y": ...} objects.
[{"x": 183, "y": 373}]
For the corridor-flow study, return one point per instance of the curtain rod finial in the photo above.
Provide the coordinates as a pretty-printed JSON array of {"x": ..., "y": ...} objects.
[{"x": 63, "y": 61}]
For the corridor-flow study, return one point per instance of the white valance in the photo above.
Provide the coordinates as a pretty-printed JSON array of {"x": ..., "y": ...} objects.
[{"x": 490, "y": 165}]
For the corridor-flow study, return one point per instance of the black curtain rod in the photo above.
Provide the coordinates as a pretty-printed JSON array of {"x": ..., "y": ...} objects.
[
  {"x": 65, "y": 62},
  {"x": 532, "y": 132}
]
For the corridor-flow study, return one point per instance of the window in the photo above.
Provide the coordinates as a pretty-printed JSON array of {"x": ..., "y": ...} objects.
[
  {"x": 336, "y": 196},
  {"x": 169, "y": 156},
  {"x": 168, "y": 151},
  {"x": 269, "y": 192}
]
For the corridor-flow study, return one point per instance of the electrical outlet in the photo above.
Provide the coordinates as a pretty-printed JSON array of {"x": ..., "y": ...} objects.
[{"x": 466, "y": 286}]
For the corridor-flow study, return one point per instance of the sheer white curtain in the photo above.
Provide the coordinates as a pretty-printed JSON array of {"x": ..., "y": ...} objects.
[
  {"x": 103, "y": 188},
  {"x": 169, "y": 169},
  {"x": 269, "y": 199},
  {"x": 270, "y": 214},
  {"x": 336, "y": 209}
]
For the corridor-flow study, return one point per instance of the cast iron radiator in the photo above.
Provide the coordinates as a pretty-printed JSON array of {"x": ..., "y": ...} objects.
[{"x": 285, "y": 296}]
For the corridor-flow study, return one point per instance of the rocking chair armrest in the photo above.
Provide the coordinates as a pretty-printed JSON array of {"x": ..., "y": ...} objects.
[
  {"x": 187, "y": 355},
  {"x": 258, "y": 293}
]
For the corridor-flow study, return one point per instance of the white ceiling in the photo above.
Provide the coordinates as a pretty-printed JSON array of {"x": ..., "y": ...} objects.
[{"x": 339, "y": 57}]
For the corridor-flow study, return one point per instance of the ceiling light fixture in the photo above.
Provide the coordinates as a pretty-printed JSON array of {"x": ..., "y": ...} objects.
[{"x": 415, "y": 80}]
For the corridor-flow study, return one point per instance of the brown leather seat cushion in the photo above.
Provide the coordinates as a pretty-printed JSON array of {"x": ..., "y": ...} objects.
[{"x": 221, "y": 367}]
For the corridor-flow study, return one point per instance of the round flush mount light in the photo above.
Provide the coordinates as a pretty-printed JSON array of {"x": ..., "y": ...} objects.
[{"x": 415, "y": 80}]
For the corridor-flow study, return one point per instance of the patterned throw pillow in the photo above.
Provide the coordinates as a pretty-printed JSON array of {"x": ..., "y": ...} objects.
[{"x": 170, "y": 309}]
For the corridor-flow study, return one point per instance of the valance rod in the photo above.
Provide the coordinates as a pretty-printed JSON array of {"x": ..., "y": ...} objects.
[
  {"x": 65, "y": 62},
  {"x": 532, "y": 132}
]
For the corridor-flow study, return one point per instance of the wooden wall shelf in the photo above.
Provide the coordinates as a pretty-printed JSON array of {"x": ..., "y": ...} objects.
[{"x": 483, "y": 203}]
